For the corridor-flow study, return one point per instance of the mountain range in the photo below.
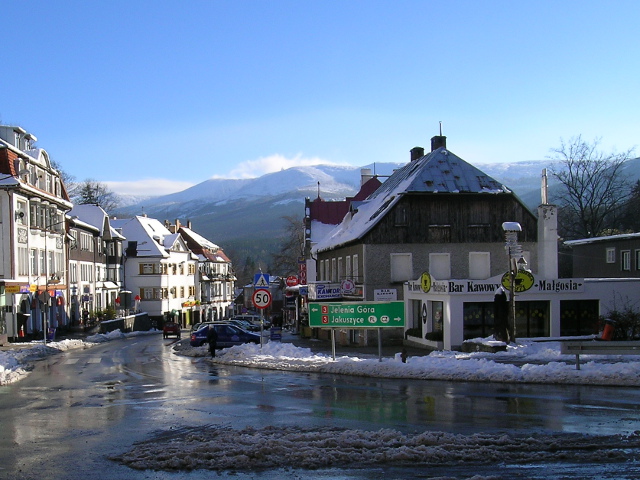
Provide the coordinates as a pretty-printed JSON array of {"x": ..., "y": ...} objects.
[{"x": 246, "y": 216}]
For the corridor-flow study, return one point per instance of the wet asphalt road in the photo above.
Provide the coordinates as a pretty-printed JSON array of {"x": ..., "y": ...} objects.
[{"x": 79, "y": 407}]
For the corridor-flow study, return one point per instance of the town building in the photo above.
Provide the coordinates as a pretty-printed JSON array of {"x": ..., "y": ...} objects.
[
  {"x": 216, "y": 275},
  {"x": 33, "y": 263},
  {"x": 160, "y": 272},
  {"x": 611, "y": 256},
  {"x": 437, "y": 214},
  {"x": 95, "y": 264}
]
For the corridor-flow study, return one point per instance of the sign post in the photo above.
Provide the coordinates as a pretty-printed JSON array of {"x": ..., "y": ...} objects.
[
  {"x": 261, "y": 300},
  {"x": 376, "y": 315}
]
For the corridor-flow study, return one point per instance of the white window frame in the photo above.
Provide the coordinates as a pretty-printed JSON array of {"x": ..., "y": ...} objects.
[
  {"x": 611, "y": 255},
  {"x": 625, "y": 260},
  {"x": 401, "y": 267},
  {"x": 479, "y": 265},
  {"x": 440, "y": 265}
]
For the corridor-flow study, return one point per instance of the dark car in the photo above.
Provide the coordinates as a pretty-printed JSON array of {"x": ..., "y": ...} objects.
[
  {"x": 228, "y": 335},
  {"x": 245, "y": 325},
  {"x": 171, "y": 328}
]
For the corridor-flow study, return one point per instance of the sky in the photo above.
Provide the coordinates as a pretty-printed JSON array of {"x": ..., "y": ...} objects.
[{"x": 153, "y": 97}]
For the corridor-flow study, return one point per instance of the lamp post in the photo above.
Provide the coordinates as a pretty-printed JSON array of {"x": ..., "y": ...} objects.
[
  {"x": 514, "y": 254},
  {"x": 46, "y": 295}
]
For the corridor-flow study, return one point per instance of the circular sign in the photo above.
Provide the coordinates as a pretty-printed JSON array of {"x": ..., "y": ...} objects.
[
  {"x": 523, "y": 281},
  {"x": 425, "y": 282},
  {"x": 292, "y": 281},
  {"x": 261, "y": 298}
]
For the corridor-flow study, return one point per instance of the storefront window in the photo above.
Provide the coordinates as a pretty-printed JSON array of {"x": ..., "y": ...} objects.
[{"x": 578, "y": 317}]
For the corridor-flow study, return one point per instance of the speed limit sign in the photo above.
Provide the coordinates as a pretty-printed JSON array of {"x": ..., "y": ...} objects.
[{"x": 261, "y": 298}]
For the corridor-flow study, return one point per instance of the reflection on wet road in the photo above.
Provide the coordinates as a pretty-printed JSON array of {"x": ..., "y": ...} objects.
[{"x": 77, "y": 407}]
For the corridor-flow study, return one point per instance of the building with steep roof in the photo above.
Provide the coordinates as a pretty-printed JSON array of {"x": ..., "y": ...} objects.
[
  {"x": 437, "y": 214},
  {"x": 95, "y": 262},
  {"x": 160, "y": 271},
  {"x": 216, "y": 275},
  {"x": 33, "y": 204}
]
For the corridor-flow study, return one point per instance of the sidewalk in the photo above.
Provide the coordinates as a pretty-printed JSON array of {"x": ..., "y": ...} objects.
[{"x": 324, "y": 346}]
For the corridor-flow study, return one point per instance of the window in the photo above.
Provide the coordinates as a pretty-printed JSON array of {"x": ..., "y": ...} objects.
[
  {"x": 21, "y": 213},
  {"x": 23, "y": 261},
  {"x": 440, "y": 265},
  {"x": 637, "y": 259},
  {"x": 356, "y": 269},
  {"x": 625, "y": 259},
  {"x": 34, "y": 262},
  {"x": 611, "y": 255},
  {"x": 479, "y": 265},
  {"x": 401, "y": 216},
  {"x": 334, "y": 272},
  {"x": 340, "y": 271},
  {"x": 401, "y": 267},
  {"x": 479, "y": 233},
  {"x": 43, "y": 264},
  {"x": 348, "y": 271},
  {"x": 439, "y": 234}
]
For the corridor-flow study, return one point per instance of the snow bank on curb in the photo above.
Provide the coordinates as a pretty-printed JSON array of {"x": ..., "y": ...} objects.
[
  {"x": 547, "y": 365},
  {"x": 16, "y": 362}
]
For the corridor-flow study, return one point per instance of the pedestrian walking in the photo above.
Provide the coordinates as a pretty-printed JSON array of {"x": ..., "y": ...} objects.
[{"x": 212, "y": 339}]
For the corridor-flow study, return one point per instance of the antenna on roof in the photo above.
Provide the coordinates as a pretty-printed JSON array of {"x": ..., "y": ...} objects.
[
  {"x": 441, "y": 128},
  {"x": 318, "y": 189}
]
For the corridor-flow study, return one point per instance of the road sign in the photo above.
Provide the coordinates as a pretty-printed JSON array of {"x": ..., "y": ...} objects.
[
  {"x": 356, "y": 315},
  {"x": 261, "y": 299},
  {"x": 261, "y": 280}
]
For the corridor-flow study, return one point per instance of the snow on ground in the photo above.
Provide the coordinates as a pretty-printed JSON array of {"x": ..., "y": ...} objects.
[
  {"x": 223, "y": 448},
  {"x": 526, "y": 362},
  {"x": 17, "y": 361}
]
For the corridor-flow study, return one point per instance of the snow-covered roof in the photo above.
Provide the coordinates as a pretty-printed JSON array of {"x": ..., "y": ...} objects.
[
  {"x": 148, "y": 232},
  {"x": 437, "y": 172},
  {"x": 199, "y": 239},
  {"x": 95, "y": 216},
  {"x": 608, "y": 238}
]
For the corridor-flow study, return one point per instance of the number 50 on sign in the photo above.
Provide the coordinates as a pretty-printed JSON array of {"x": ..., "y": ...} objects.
[{"x": 261, "y": 298}]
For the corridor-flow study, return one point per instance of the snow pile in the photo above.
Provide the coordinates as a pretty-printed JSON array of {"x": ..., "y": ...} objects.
[
  {"x": 224, "y": 448},
  {"x": 526, "y": 362},
  {"x": 15, "y": 362}
]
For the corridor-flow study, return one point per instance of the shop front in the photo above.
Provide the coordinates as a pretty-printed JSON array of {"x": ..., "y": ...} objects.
[{"x": 445, "y": 313}]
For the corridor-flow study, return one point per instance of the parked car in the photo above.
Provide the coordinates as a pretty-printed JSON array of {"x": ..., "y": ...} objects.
[
  {"x": 228, "y": 335},
  {"x": 245, "y": 325},
  {"x": 254, "y": 319},
  {"x": 171, "y": 328}
]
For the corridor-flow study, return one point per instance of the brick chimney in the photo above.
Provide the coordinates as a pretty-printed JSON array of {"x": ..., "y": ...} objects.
[
  {"x": 416, "y": 153},
  {"x": 438, "y": 141}
]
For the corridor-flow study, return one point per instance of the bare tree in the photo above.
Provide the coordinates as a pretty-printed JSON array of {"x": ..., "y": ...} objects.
[
  {"x": 593, "y": 187},
  {"x": 68, "y": 180},
  {"x": 285, "y": 261},
  {"x": 95, "y": 193}
]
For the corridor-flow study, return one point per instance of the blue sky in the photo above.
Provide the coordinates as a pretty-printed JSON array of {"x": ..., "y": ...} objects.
[{"x": 151, "y": 96}]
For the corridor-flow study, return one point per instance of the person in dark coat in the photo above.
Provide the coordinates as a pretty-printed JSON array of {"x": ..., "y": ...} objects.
[{"x": 212, "y": 339}]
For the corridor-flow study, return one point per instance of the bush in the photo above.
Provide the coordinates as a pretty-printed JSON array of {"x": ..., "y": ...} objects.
[
  {"x": 626, "y": 322},
  {"x": 413, "y": 332},
  {"x": 435, "y": 336}
]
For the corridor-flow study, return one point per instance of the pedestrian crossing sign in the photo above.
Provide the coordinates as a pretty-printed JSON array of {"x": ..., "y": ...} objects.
[{"x": 261, "y": 280}]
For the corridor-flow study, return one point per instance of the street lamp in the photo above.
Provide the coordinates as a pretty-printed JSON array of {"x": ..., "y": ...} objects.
[
  {"x": 515, "y": 256},
  {"x": 46, "y": 296}
]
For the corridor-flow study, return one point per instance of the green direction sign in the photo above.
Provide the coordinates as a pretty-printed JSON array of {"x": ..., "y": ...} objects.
[{"x": 356, "y": 315}]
